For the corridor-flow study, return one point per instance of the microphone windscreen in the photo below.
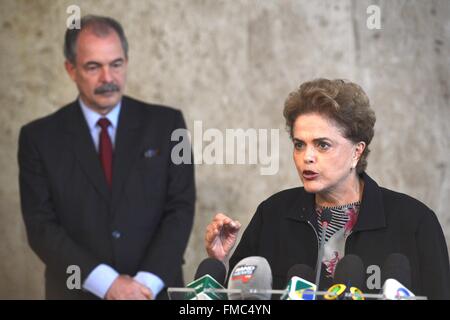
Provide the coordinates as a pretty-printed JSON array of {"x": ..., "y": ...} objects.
[
  {"x": 301, "y": 270},
  {"x": 251, "y": 275},
  {"x": 350, "y": 271},
  {"x": 396, "y": 266},
  {"x": 213, "y": 267}
]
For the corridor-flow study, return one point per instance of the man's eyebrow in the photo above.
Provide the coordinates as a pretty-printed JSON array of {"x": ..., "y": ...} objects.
[
  {"x": 118, "y": 60},
  {"x": 99, "y": 64}
]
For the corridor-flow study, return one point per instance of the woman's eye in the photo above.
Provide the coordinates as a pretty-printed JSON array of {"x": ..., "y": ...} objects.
[
  {"x": 298, "y": 145},
  {"x": 323, "y": 145}
]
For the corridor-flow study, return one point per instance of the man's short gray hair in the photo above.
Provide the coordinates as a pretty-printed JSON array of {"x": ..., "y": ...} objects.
[{"x": 100, "y": 26}]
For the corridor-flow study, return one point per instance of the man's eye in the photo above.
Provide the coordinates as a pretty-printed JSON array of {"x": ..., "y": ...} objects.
[
  {"x": 92, "y": 68},
  {"x": 117, "y": 64}
]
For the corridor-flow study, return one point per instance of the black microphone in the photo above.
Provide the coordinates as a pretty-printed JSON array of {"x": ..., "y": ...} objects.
[
  {"x": 300, "y": 285},
  {"x": 210, "y": 275},
  {"x": 325, "y": 218},
  {"x": 214, "y": 268},
  {"x": 301, "y": 270},
  {"x": 349, "y": 277},
  {"x": 396, "y": 266},
  {"x": 396, "y": 277}
]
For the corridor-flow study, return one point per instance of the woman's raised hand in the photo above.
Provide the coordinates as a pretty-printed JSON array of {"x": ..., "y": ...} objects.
[{"x": 221, "y": 235}]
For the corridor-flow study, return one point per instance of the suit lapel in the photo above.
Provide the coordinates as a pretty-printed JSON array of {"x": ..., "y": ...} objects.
[
  {"x": 127, "y": 147},
  {"x": 85, "y": 150}
]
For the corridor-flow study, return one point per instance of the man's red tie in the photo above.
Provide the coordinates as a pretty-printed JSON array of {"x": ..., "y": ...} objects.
[{"x": 105, "y": 150}]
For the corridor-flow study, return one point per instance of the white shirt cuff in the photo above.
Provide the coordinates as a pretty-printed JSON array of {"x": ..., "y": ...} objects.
[
  {"x": 100, "y": 280},
  {"x": 151, "y": 281}
]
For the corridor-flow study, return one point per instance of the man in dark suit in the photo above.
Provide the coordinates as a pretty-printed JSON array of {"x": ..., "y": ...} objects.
[{"x": 98, "y": 187}]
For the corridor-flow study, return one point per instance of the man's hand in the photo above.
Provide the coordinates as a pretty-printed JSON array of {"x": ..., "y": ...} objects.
[
  {"x": 221, "y": 236},
  {"x": 126, "y": 288}
]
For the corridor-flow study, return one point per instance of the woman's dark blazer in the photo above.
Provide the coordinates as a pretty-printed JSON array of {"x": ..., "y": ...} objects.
[{"x": 389, "y": 222}]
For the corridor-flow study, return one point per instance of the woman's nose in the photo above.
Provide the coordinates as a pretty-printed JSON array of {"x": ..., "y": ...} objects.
[{"x": 309, "y": 156}]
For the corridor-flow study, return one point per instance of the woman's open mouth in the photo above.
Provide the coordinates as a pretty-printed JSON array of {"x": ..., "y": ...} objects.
[{"x": 309, "y": 175}]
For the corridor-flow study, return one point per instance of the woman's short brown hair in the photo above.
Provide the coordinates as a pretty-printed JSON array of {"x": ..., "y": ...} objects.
[{"x": 342, "y": 102}]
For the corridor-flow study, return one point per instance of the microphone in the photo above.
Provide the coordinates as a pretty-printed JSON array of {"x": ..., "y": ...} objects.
[
  {"x": 300, "y": 283},
  {"x": 349, "y": 276},
  {"x": 212, "y": 267},
  {"x": 396, "y": 274},
  {"x": 210, "y": 275},
  {"x": 252, "y": 276},
  {"x": 325, "y": 218}
]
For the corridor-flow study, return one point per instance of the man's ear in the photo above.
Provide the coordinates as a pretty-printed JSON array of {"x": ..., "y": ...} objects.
[{"x": 70, "y": 68}]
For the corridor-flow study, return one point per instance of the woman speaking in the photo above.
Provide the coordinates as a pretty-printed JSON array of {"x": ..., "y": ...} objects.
[{"x": 331, "y": 126}]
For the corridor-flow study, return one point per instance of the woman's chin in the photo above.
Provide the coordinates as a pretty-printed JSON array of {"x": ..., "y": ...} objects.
[{"x": 311, "y": 186}]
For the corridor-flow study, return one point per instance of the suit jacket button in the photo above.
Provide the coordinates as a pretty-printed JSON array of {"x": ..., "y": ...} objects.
[{"x": 116, "y": 234}]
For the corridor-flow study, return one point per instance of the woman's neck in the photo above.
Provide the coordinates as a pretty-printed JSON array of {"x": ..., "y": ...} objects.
[{"x": 348, "y": 192}]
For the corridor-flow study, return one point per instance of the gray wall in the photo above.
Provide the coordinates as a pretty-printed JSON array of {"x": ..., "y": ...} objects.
[{"x": 231, "y": 64}]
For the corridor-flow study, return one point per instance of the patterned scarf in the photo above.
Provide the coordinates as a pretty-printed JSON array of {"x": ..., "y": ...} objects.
[{"x": 343, "y": 218}]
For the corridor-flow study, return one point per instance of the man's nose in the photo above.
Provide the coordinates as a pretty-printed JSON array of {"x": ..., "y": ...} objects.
[{"x": 105, "y": 75}]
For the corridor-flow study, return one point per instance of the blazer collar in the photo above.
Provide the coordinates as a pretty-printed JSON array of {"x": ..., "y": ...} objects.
[
  {"x": 371, "y": 213},
  {"x": 84, "y": 148},
  {"x": 126, "y": 151},
  {"x": 129, "y": 136}
]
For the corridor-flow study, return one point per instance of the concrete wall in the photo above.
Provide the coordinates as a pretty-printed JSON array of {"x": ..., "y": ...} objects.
[{"x": 231, "y": 64}]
